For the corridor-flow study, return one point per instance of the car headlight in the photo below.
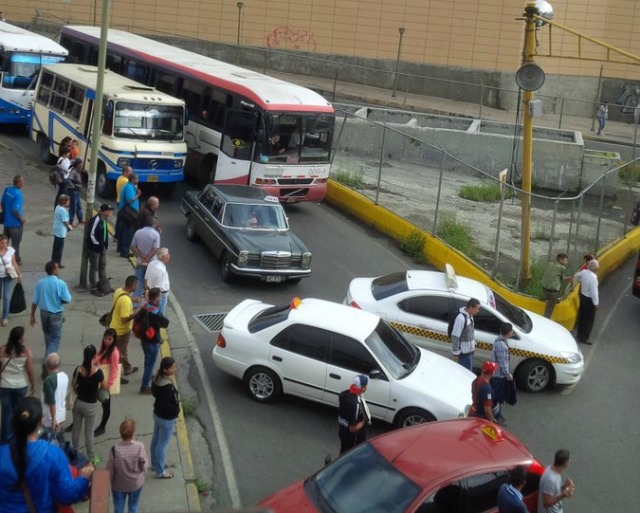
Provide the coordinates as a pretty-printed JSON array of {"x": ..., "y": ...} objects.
[
  {"x": 571, "y": 357},
  {"x": 305, "y": 263},
  {"x": 122, "y": 161},
  {"x": 243, "y": 258}
]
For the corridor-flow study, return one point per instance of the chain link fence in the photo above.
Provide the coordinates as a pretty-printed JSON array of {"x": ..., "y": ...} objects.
[{"x": 470, "y": 208}]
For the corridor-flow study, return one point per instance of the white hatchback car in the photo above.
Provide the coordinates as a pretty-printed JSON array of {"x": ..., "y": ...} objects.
[
  {"x": 419, "y": 303},
  {"x": 313, "y": 349}
]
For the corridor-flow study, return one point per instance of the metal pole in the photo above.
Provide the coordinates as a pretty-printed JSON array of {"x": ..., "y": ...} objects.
[
  {"x": 95, "y": 135},
  {"x": 395, "y": 82},
  {"x": 573, "y": 204},
  {"x": 597, "y": 102},
  {"x": 575, "y": 241},
  {"x": 239, "y": 4},
  {"x": 602, "y": 187},
  {"x": 435, "y": 215},
  {"x": 481, "y": 98},
  {"x": 335, "y": 85},
  {"x": 496, "y": 255},
  {"x": 384, "y": 133},
  {"x": 561, "y": 111},
  {"x": 553, "y": 228},
  {"x": 527, "y": 148},
  {"x": 635, "y": 131},
  {"x": 628, "y": 211}
]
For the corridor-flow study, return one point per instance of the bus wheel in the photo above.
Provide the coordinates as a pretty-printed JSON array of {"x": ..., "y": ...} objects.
[
  {"x": 104, "y": 187},
  {"x": 43, "y": 150}
]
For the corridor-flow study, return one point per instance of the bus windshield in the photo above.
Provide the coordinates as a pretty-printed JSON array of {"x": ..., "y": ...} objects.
[
  {"x": 296, "y": 138},
  {"x": 158, "y": 122},
  {"x": 23, "y": 68}
]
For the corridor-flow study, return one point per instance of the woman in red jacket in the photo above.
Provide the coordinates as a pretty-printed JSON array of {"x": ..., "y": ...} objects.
[{"x": 108, "y": 354}]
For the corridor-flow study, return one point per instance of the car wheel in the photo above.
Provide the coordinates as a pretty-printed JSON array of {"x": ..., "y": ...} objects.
[
  {"x": 413, "y": 417},
  {"x": 191, "y": 229},
  {"x": 534, "y": 375},
  {"x": 263, "y": 385},
  {"x": 225, "y": 268}
]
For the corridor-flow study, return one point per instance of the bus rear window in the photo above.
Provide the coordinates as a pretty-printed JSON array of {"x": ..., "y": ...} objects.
[{"x": 389, "y": 285}]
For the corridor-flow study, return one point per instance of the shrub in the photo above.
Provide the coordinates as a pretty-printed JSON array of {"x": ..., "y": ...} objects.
[
  {"x": 534, "y": 287},
  {"x": 630, "y": 172},
  {"x": 413, "y": 245},
  {"x": 355, "y": 180},
  {"x": 487, "y": 192},
  {"x": 458, "y": 236}
]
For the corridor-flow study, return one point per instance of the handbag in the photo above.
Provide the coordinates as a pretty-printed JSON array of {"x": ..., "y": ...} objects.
[
  {"x": 106, "y": 370},
  {"x": 71, "y": 393},
  {"x": 18, "y": 302},
  {"x": 105, "y": 319},
  {"x": 128, "y": 214},
  {"x": 103, "y": 395}
]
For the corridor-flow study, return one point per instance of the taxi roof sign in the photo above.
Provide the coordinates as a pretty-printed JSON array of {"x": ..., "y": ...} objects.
[
  {"x": 493, "y": 432},
  {"x": 450, "y": 276}
]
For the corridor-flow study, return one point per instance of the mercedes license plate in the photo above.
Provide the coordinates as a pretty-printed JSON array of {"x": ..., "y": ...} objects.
[
  {"x": 152, "y": 178},
  {"x": 274, "y": 279}
]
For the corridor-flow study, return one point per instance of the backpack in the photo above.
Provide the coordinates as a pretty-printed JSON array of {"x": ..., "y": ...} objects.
[
  {"x": 142, "y": 327},
  {"x": 55, "y": 175},
  {"x": 452, "y": 320}
]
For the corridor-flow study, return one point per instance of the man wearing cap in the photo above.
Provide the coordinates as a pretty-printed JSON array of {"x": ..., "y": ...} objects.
[
  {"x": 353, "y": 414},
  {"x": 97, "y": 244},
  {"x": 482, "y": 403}
]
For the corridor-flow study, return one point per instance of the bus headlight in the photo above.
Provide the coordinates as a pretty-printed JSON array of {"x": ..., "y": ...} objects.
[
  {"x": 305, "y": 263},
  {"x": 177, "y": 164},
  {"x": 243, "y": 258},
  {"x": 122, "y": 161}
]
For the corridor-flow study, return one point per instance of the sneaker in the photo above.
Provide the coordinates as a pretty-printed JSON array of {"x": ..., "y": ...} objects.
[
  {"x": 145, "y": 391},
  {"x": 124, "y": 381},
  {"x": 131, "y": 371},
  {"x": 99, "y": 431},
  {"x": 5, "y": 322}
]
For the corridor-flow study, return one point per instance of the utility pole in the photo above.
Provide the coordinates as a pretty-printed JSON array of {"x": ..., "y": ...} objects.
[
  {"x": 528, "y": 54},
  {"x": 95, "y": 137}
]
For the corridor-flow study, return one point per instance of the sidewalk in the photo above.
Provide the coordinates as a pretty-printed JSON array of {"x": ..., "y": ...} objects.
[{"x": 81, "y": 328}]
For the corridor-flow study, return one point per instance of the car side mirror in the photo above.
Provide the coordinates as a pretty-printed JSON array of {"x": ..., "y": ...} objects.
[{"x": 375, "y": 374}]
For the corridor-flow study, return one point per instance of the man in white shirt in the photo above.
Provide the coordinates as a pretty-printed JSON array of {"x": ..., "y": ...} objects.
[
  {"x": 54, "y": 393},
  {"x": 157, "y": 276},
  {"x": 589, "y": 300}
]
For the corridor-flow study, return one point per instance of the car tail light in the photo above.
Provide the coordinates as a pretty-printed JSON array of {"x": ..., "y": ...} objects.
[
  {"x": 537, "y": 468},
  {"x": 355, "y": 305},
  {"x": 221, "y": 342}
]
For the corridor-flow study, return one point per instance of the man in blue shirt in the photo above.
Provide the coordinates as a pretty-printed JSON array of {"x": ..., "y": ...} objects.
[
  {"x": 50, "y": 295},
  {"x": 13, "y": 219},
  {"x": 128, "y": 217},
  {"x": 510, "y": 499}
]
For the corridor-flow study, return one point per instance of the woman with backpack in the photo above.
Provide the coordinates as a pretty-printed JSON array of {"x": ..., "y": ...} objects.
[{"x": 108, "y": 354}]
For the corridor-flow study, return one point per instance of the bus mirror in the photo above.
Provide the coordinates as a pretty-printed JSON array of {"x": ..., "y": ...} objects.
[
  {"x": 5, "y": 64},
  {"x": 186, "y": 117}
]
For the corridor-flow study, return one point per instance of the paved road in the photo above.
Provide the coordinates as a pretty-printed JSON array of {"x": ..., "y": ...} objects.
[{"x": 271, "y": 446}]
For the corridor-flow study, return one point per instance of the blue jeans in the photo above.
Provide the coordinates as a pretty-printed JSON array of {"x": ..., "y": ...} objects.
[
  {"x": 119, "y": 499},
  {"x": 162, "y": 431},
  {"x": 140, "y": 271},
  {"x": 52, "y": 329},
  {"x": 9, "y": 398},
  {"x": 150, "y": 351},
  {"x": 466, "y": 360},
  {"x": 75, "y": 207},
  {"x": 164, "y": 299},
  {"x": 6, "y": 288},
  {"x": 125, "y": 237}
]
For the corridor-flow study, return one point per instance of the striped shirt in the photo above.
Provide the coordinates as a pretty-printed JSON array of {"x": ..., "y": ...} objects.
[
  {"x": 127, "y": 465},
  {"x": 501, "y": 357}
]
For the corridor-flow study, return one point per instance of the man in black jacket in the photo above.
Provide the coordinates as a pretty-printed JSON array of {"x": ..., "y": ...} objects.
[
  {"x": 97, "y": 244},
  {"x": 353, "y": 414}
]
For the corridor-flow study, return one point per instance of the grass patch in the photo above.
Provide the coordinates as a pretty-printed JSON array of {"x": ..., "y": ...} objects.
[
  {"x": 458, "y": 236},
  {"x": 630, "y": 172},
  {"x": 541, "y": 234},
  {"x": 534, "y": 287},
  {"x": 413, "y": 245},
  {"x": 352, "y": 179},
  {"x": 187, "y": 407},
  {"x": 487, "y": 192},
  {"x": 201, "y": 485}
]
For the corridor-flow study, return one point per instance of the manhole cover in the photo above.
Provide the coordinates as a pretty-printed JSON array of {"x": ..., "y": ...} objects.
[{"x": 211, "y": 322}]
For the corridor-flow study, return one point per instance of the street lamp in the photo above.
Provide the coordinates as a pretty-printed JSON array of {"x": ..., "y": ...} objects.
[
  {"x": 240, "y": 5},
  {"x": 395, "y": 82}
]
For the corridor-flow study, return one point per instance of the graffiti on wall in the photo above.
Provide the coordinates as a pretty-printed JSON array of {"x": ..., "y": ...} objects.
[
  {"x": 291, "y": 38},
  {"x": 629, "y": 101}
]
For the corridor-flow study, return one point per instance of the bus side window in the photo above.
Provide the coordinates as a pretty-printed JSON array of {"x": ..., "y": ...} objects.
[
  {"x": 107, "y": 117},
  {"x": 60, "y": 89},
  {"x": 77, "y": 50},
  {"x": 137, "y": 71},
  {"x": 46, "y": 83},
  {"x": 191, "y": 96},
  {"x": 93, "y": 56},
  {"x": 73, "y": 106},
  {"x": 114, "y": 63},
  {"x": 166, "y": 82},
  {"x": 216, "y": 108}
]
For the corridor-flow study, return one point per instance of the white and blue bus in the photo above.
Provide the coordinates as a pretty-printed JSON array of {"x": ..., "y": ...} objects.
[
  {"x": 141, "y": 127},
  {"x": 22, "y": 54}
]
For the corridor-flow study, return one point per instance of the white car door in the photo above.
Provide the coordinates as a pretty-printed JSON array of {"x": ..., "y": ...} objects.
[
  {"x": 424, "y": 320},
  {"x": 348, "y": 358},
  {"x": 299, "y": 355},
  {"x": 486, "y": 330}
]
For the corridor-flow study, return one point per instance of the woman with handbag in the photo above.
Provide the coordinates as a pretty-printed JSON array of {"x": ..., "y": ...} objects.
[
  {"x": 9, "y": 270},
  {"x": 16, "y": 374},
  {"x": 34, "y": 474},
  {"x": 108, "y": 355},
  {"x": 89, "y": 379}
]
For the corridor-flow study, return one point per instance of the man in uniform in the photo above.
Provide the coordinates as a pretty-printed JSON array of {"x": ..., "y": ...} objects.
[{"x": 353, "y": 414}]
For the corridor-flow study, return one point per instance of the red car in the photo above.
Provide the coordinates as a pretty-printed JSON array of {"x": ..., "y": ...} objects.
[{"x": 454, "y": 466}]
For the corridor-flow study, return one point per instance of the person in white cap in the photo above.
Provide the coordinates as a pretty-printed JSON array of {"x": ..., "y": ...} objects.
[{"x": 353, "y": 414}]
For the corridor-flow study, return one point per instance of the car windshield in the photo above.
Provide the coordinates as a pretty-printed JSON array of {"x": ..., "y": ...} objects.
[
  {"x": 254, "y": 217},
  {"x": 515, "y": 314},
  {"x": 394, "y": 352},
  {"x": 342, "y": 486},
  {"x": 389, "y": 285}
]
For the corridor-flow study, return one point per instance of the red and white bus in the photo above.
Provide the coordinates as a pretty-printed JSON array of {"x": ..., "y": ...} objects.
[{"x": 244, "y": 127}]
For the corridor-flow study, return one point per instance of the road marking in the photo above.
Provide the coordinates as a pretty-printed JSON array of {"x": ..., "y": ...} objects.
[
  {"x": 225, "y": 454},
  {"x": 603, "y": 328}
]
